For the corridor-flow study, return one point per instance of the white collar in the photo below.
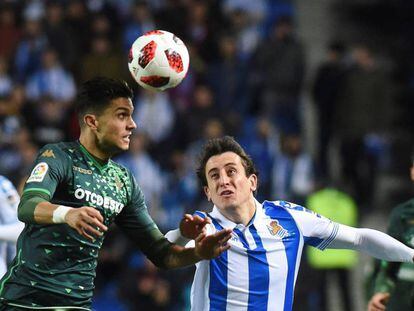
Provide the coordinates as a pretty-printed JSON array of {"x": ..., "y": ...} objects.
[{"x": 227, "y": 223}]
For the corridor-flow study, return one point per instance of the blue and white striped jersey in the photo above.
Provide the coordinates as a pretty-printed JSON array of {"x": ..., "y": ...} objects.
[
  {"x": 9, "y": 200},
  {"x": 259, "y": 271}
]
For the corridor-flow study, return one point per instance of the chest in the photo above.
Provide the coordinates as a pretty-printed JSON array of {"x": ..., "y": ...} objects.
[{"x": 103, "y": 188}]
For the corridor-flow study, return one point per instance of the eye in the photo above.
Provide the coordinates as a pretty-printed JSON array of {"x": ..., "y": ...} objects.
[
  {"x": 232, "y": 171},
  {"x": 122, "y": 115},
  {"x": 214, "y": 176}
]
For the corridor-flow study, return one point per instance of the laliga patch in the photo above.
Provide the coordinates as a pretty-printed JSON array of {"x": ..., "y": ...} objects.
[{"x": 38, "y": 173}]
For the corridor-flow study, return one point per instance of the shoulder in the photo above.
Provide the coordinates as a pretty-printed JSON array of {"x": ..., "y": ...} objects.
[
  {"x": 403, "y": 208},
  {"x": 281, "y": 205},
  {"x": 62, "y": 149}
]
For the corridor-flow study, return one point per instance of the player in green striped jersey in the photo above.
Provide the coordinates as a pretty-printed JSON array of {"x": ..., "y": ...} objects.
[{"x": 74, "y": 193}]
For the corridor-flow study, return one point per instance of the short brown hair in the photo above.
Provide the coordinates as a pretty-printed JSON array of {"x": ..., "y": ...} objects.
[{"x": 217, "y": 146}]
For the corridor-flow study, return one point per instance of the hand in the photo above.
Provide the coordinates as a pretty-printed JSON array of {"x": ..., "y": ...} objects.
[
  {"x": 378, "y": 302},
  {"x": 211, "y": 246},
  {"x": 86, "y": 220},
  {"x": 191, "y": 226}
]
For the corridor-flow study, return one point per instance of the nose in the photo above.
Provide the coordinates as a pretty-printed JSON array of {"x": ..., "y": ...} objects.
[
  {"x": 132, "y": 125},
  {"x": 224, "y": 179}
]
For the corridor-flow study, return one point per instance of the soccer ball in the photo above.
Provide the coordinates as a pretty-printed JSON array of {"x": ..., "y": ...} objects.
[{"x": 158, "y": 60}]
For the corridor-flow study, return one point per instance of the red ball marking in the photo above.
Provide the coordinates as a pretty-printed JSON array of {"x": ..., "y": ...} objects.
[
  {"x": 147, "y": 54},
  {"x": 155, "y": 81},
  {"x": 175, "y": 61},
  {"x": 130, "y": 56},
  {"x": 153, "y": 32}
]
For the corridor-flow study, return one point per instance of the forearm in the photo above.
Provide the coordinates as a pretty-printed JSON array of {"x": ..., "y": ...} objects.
[
  {"x": 179, "y": 256},
  {"x": 372, "y": 242},
  {"x": 36, "y": 210}
]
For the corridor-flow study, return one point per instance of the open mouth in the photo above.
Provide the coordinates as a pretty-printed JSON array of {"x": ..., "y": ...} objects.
[
  {"x": 226, "y": 193},
  {"x": 126, "y": 138}
]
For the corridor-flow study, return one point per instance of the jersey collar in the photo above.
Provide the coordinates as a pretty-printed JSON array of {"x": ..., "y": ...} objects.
[
  {"x": 100, "y": 165},
  {"x": 227, "y": 223}
]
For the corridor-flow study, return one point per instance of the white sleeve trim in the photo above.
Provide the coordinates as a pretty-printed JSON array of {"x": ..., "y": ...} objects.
[
  {"x": 372, "y": 242},
  {"x": 174, "y": 236}
]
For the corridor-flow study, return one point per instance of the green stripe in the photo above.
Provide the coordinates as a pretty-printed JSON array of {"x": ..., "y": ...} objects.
[
  {"x": 11, "y": 271},
  {"x": 39, "y": 190},
  {"x": 47, "y": 308},
  {"x": 90, "y": 157}
]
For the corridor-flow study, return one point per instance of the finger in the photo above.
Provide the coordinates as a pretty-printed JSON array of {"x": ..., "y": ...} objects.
[
  {"x": 225, "y": 239},
  {"x": 222, "y": 234},
  {"x": 85, "y": 234},
  {"x": 94, "y": 213},
  {"x": 93, "y": 221},
  {"x": 208, "y": 220},
  {"x": 200, "y": 237},
  {"x": 92, "y": 230}
]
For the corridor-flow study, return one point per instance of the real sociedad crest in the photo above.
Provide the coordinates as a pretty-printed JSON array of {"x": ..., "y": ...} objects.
[{"x": 276, "y": 229}]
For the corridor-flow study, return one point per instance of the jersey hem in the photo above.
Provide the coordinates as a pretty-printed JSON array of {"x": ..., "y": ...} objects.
[{"x": 46, "y": 308}]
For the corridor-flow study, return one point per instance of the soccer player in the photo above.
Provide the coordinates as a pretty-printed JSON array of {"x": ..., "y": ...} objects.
[
  {"x": 74, "y": 193},
  {"x": 259, "y": 270},
  {"x": 10, "y": 226},
  {"x": 394, "y": 283}
]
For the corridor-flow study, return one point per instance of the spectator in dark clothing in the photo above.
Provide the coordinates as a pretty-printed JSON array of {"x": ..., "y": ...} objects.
[{"x": 328, "y": 80}]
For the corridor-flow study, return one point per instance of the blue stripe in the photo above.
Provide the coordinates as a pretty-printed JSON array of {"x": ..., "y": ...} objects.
[
  {"x": 201, "y": 214},
  {"x": 291, "y": 244},
  {"x": 218, "y": 279},
  {"x": 312, "y": 241},
  {"x": 258, "y": 275},
  {"x": 328, "y": 241}
]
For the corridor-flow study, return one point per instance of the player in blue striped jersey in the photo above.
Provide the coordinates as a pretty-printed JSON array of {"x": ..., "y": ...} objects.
[
  {"x": 259, "y": 271},
  {"x": 10, "y": 226}
]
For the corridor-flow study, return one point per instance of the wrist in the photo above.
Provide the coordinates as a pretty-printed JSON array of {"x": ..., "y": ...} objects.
[{"x": 59, "y": 214}]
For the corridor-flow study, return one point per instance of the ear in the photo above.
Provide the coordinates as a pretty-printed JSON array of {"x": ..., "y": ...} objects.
[
  {"x": 253, "y": 182},
  {"x": 91, "y": 121},
  {"x": 207, "y": 193}
]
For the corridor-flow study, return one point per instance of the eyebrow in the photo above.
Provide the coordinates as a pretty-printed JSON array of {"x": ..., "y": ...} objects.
[
  {"x": 225, "y": 165},
  {"x": 124, "y": 109}
]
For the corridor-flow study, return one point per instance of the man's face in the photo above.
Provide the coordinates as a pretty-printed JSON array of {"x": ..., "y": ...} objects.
[
  {"x": 227, "y": 183},
  {"x": 115, "y": 126}
]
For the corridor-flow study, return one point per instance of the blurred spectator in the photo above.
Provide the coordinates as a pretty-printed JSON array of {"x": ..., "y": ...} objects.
[
  {"x": 280, "y": 67},
  {"x": 51, "y": 80},
  {"x": 6, "y": 82},
  {"x": 58, "y": 34},
  {"x": 260, "y": 140},
  {"x": 339, "y": 207},
  {"x": 47, "y": 120},
  {"x": 9, "y": 32},
  {"x": 146, "y": 171},
  {"x": 154, "y": 115},
  {"x": 140, "y": 22},
  {"x": 227, "y": 77},
  {"x": 293, "y": 175},
  {"x": 363, "y": 119},
  {"x": 180, "y": 192},
  {"x": 102, "y": 60},
  {"x": 29, "y": 50},
  {"x": 328, "y": 81}
]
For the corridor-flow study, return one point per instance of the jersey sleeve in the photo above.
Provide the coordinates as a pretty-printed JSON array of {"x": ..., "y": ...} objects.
[
  {"x": 318, "y": 231},
  {"x": 49, "y": 169},
  {"x": 9, "y": 200},
  {"x": 138, "y": 225}
]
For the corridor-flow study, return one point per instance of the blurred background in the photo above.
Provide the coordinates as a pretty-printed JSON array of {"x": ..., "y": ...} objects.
[{"x": 318, "y": 92}]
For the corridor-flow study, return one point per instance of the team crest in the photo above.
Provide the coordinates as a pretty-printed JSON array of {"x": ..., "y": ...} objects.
[
  {"x": 48, "y": 154},
  {"x": 38, "y": 173},
  {"x": 118, "y": 183},
  {"x": 276, "y": 229}
]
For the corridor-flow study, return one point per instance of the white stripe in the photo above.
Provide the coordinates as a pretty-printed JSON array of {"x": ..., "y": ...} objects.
[
  {"x": 278, "y": 266},
  {"x": 250, "y": 239},
  {"x": 200, "y": 288},
  {"x": 238, "y": 278}
]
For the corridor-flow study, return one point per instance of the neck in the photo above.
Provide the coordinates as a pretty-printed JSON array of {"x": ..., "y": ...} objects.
[
  {"x": 241, "y": 214},
  {"x": 90, "y": 143}
]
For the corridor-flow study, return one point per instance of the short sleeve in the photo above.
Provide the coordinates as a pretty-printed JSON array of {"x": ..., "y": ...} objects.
[
  {"x": 48, "y": 171},
  {"x": 318, "y": 231},
  {"x": 9, "y": 200}
]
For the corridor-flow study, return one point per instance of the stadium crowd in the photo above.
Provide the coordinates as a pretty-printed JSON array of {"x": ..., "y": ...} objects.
[{"x": 246, "y": 79}]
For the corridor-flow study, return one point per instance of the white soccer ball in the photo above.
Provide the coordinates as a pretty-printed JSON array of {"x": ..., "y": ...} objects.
[{"x": 158, "y": 60}]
